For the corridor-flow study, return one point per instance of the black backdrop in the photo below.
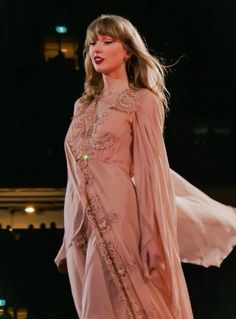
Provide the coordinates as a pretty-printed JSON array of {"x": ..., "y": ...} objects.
[
  {"x": 29, "y": 278},
  {"x": 37, "y": 101},
  {"x": 37, "y": 98}
]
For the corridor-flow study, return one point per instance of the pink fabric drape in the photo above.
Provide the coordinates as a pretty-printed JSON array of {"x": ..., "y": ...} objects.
[
  {"x": 156, "y": 202},
  {"x": 206, "y": 228},
  {"x": 129, "y": 219}
]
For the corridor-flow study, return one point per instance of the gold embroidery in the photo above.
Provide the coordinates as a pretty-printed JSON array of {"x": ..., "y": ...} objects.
[
  {"x": 82, "y": 134},
  {"x": 104, "y": 142},
  {"x": 104, "y": 223},
  {"x": 119, "y": 273},
  {"x": 83, "y": 139},
  {"x": 81, "y": 241},
  {"x": 127, "y": 102},
  {"x": 116, "y": 267}
]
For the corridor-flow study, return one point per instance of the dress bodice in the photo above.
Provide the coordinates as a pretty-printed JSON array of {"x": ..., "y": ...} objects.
[{"x": 107, "y": 137}]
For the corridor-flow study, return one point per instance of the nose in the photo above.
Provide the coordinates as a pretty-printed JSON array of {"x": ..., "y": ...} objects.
[{"x": 97, "y": 47}]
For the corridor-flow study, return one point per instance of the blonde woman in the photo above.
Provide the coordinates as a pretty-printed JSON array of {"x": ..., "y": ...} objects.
[{"x": 123, "y": 203}]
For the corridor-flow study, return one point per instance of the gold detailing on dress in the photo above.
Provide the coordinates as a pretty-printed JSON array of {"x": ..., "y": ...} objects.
[
  {"x": 85, "y": 156},
  {"x": 81, "y": 241},
  {"x": 120, "y": 274},
  {"x": 85, "y": 143},
  {"x": 82, "y": 135},
  {"x": 120, "y": 271},
  {"x": 97, "y": 217}
]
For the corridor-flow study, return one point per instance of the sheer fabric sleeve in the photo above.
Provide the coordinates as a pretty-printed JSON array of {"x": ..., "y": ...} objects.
[
  {"x": 60, "y": 259},
  {"x": 156, "y": 202},
  {"x": 206, "y": 227}
]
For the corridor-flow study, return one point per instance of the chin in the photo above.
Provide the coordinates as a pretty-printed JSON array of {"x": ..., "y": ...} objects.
[{"x": 98, "y": 70}]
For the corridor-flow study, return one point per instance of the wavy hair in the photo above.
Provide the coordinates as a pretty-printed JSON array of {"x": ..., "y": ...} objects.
[{"x": 144, "y": 70}]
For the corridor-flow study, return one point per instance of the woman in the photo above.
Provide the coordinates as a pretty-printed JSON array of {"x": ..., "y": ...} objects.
[{"x": 121, "y": 248}]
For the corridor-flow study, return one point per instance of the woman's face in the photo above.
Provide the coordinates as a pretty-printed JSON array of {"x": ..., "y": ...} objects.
[{"x": 107, "y": 55}]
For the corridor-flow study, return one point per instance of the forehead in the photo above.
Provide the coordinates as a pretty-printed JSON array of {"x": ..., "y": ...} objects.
[
  {"x": 103, "y": 36},
  {"x": 104, "y": 27}
]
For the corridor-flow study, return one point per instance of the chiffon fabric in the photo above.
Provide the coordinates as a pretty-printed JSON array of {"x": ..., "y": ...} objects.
[{"x": 129, "y": 219}]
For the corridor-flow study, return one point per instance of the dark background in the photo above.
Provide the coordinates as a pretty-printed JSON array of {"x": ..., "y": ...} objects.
[
  {"x": 29, "y": 279},
  {"x": 38, "y": 97},
  {"x": 37, "y": 101}
]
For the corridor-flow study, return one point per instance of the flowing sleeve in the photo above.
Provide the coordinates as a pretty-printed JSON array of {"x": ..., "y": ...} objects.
[
  {"x": 159, "y": 250},
  {"x": 60, "y": 259},
  {"x": 206, "y": 227}
]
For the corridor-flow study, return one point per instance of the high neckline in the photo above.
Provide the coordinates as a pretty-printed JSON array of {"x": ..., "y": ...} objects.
[{"x": 114, "y": 86}]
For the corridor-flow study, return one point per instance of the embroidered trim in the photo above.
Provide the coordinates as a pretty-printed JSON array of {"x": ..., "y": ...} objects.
[
  {"x": 118, "y": 270},
  {"x": 127, "y": 101},
  {"x": 82, "y": 134},
  {"x": 104, "y": 142},
  {"x": 120, "y": 275},
  {"x": 81, "y": 241},
  {"x": 82, "y": 137},
  {"x": 102, "y": 223}
]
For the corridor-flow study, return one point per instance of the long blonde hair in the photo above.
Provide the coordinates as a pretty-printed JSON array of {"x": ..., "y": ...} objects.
[{"x": 144, "y": 70}]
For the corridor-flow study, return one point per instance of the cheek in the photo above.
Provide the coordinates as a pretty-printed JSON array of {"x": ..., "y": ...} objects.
[{"x": 116, "y": 55}]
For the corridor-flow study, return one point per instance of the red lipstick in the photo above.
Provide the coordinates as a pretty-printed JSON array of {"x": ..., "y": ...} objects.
[{"x": 98, "y": 59}]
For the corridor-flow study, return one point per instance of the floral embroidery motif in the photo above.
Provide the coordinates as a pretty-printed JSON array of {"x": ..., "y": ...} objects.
[
  {"x": 105, "y": 142},
  {"x": 120, "y": 275},
  {"x": 91, "y": 218},
  {"x": 87, "y": 176},
  {"x": 95, "y": 203},
  {"x": 82, "y": 134},
  {"x": 83, "y": 139},
  {"x": 103, "y": 223},
  {"x": 117, "y": 269},
  {"x": 127, "y": 101},
  {"x": 81, "y": 241}
]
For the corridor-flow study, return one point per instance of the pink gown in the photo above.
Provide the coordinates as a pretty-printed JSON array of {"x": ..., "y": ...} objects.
[{"x": 129, "y": 219}]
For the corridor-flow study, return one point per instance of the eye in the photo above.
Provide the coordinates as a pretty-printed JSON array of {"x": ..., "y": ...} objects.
[
  {"x": 108, "y": 41},
  {"x": 92, "y": 43}
]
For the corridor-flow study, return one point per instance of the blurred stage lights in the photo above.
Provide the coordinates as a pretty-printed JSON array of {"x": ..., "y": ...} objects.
[
  {"x": 61, "y": 29},
  {"x": 2, "y": 302},
  {"x": 30, "y": 209}
]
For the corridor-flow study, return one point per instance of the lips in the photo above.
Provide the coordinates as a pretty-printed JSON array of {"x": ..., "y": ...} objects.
[{"x": 98, "y": 59}]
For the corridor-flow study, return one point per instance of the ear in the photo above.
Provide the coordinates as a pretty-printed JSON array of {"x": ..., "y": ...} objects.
[{"x": 128, "y": 55}]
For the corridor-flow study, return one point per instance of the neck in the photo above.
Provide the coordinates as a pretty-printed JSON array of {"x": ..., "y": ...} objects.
[{"x": 114, "y": 85}]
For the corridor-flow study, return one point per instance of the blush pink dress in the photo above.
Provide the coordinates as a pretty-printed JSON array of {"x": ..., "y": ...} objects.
[{"x": 129, "y": 219}]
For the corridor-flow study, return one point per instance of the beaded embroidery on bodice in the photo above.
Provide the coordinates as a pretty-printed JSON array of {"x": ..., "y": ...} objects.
[{"x": 82, "y": 135}]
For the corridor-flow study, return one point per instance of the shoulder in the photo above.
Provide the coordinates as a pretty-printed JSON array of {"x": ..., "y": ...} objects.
[
  {"x": 146, "y": 96},
  {"x": 132, "y": 99},
  {"x": 149, "y": 107},
  {"x": 126, "y": 101},
  {"x": 79, "y": 105},
  {"x": 146, "y": 101}
]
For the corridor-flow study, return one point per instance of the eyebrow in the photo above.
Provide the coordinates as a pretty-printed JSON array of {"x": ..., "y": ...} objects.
[
  {"x": 106, "y": 36},
  {"x": 102, "y": 36}
]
